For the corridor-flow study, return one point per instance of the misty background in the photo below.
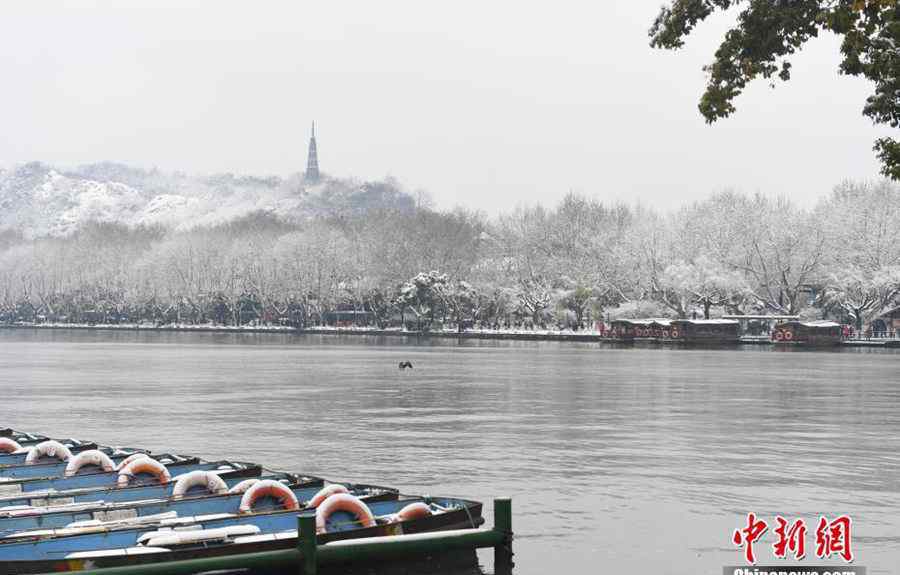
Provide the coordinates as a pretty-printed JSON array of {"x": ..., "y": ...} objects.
[{"x": 483, "y": 105}]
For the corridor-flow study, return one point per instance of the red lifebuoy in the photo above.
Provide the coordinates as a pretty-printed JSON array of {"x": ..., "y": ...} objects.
[
  {"x": 325, "y": 493},
  {"x": 268, "y": 488},
  {"x": 8, "y": 445},
  {"x": 144, "y": 465},
  {"x": 133, "y": 457},
  {"x": 343, "y": 502}
]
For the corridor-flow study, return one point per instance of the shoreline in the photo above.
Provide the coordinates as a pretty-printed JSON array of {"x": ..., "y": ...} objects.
[{"x": 542, "y": 335}]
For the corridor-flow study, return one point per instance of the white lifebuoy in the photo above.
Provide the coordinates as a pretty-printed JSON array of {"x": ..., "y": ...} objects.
[
  {"x": 8, "y": 445},
  {"x": 674, "y": 333},
  {"x": 89, "y": 457},
  {"x": 49, "y": 448},
  {"x": 779, "y": 335},
  {"x": 133, "y": 457},
  {"x": 665, "y": 333},
  {"x": 243, "y": 486},
  {"x": 325, "y": 493},
  {"x": 211, "y": 481},
  {"x": 788, "y": 335},
  {"x": 268, "y": 488},
  {"x": 144, "y": 465},
  {"x": 343, "y": 502}
]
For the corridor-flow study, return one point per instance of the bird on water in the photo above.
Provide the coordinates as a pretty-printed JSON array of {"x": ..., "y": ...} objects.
[{"x": 406, "y": 364}]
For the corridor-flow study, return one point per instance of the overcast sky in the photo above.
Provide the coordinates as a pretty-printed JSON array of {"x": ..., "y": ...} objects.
[{"x": 482, "y": 104}]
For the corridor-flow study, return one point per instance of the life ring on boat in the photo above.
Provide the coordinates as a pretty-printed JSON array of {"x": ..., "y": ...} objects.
[
  {"x": 144, "y": 465},
  {"x": 778, "y": 335},
  {"x": 211, "y": 481},
  {"x": 665, "y": 333},
  {"x": 343, "y": 502},
  {"x": 243, "y": 486},
  {"x": 8, "y": 445},
  {"x": 89, "y": 457},
  {"x": 133, "y": 457},
  {"x": 268, "y": 488},
  {"x": 674, "y": 333},
  {"x": 325, "y": 493},
  {"x": 788, "y": 335},
  {"x": 415, "y": 510},
  {"x": 49, "y": 448}
]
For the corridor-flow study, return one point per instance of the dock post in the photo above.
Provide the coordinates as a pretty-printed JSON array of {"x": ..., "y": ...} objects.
[
  {"x": 306, "y": 529},
  {"x": 503, "y": 552}
]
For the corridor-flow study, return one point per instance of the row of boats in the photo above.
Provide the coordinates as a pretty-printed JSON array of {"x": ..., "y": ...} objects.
[{"x": 70, "y": 505}]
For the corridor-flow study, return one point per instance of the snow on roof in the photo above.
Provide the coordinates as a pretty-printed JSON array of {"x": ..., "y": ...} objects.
[
  {"x": 647, "y": 321},
  {"x": 818, "y": 323},
  {"x": 710, "y": 321}
]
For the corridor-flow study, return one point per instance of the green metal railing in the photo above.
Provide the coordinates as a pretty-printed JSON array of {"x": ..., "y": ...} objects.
[{"x": 309, "y": 556}]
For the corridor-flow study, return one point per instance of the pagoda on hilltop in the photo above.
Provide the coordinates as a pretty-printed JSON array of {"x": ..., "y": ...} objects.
[{"x": 312, "y": 159}]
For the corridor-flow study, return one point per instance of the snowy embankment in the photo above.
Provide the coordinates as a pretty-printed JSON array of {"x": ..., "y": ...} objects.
[{"x": 155, "y": 327}]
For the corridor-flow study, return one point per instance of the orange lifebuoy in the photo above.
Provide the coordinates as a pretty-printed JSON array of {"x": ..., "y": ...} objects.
[
  {"x": 268, "y": 488},
  {"x": 788, "y": 335},
  {"x": 211, "y": 481},
  {"x": 89, "y": 457},
  {"x": 8, "y": 445},
  {"x": 779, "y": 335},
  {"x": 133, "y": 457},
  {"x": 144, "y": 465},
  {"x": 343, "y": 502},
  {"x": 325, "y": 493},
  {"x": 414, "y": 511},
  {"x": 49, "y": 448}
]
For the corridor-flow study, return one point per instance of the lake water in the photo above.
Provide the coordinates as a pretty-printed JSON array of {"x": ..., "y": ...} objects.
[{"x": 628, "y": 460}]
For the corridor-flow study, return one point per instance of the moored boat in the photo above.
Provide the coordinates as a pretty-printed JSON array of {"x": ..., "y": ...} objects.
[
  {"x": 112, "y": 479},
  {"x": 68, "y": 520},
  {"x": 59, "y": 499},
  {"x": 227, "y": 536}
]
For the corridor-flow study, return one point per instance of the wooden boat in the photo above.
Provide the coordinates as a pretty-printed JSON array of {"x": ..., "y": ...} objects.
[
  {"x": 109, "y": 479},
  {"x": 811, "y": 333},
  {"x": 223, "y": 537},
  {"x": 704, "y": 331},
  {"x": 24, "y": 523}
]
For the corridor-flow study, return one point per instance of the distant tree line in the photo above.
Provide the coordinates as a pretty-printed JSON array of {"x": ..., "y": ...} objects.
[{"x": 568, "y": 266}]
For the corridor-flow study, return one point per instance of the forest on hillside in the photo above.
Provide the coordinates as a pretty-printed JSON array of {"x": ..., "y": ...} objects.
[{"x": 563, "y": 266}]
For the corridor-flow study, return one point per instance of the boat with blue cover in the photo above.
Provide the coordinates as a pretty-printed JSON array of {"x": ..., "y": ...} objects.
[
  {"x": 215, "y": 537},
  {"x": 108, "y": 516},
  {"x": 196, "y": 502},
  {"x": 112, "y": 478},
  {"x": 18, "y": 457},
  {"x": 72, "y": 505},
  {"x": 60, "y": 499},
  {"x": 49, "y": 467}
]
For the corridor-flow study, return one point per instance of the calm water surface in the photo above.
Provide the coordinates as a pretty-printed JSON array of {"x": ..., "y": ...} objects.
[{"x": 618, "y": 460}]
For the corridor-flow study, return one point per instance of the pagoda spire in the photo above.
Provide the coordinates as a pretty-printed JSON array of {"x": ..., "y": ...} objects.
[{"x": 312, "y": 159}]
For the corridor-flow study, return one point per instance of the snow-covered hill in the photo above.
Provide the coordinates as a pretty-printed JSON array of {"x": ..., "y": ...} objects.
[{"x": 41, "y": 200}]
